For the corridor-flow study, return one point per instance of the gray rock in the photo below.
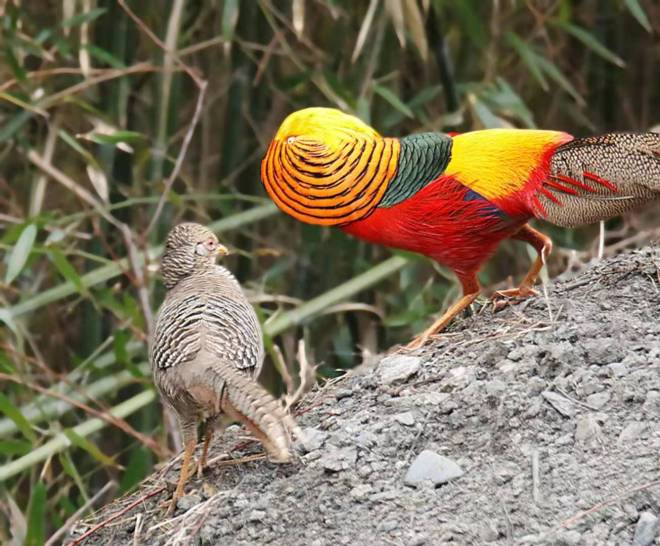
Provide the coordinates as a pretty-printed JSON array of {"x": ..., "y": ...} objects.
[
  {"x": 313, "y": 438},
  {"x": 338, "y": 459},
  {"x": 407, "y": 418},
  {"x": 495, "y": 387},
  {"x": 397, "y": 368},
  {"x": 388, "y": 525},
  {"x": 648, "y": 527},
  {"x": 569, "y": 538},
  {"x": 587, "y": 431},
  {"x": 599, "y": 399},
  {"x": 256, "y": 515},
  {"x": 619, "y": 369},
  {"x": 632, "y": 431},
  {"x": 652, "y": 403},
  {"x": 562, "y": 404},
  {"x": 186, "y": 502},
  {"x": 429, "y": 466},
  {"x": 343, "y": 393}
]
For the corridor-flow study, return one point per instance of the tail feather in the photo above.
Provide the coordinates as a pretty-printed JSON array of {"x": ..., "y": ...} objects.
[
  {"x": 596, "y": 178},
  {"x": 247, "y": 401}
]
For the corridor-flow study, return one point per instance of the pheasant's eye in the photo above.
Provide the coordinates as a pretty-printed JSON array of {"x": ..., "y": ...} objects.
[
  {"x": 204, "y": 248},
  {"x": 291, "y": 140}
]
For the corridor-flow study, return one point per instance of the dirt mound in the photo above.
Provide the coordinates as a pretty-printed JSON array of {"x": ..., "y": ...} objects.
[{"x": 539, "y": 424}]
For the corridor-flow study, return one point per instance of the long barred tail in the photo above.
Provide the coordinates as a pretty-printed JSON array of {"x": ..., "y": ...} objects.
[
  {"x": 596, "y": 178},
  {"x": 245, "y": 400}
]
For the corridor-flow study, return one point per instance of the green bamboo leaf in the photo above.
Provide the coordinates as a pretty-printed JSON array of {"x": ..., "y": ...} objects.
[
  {"x": 65, "y": 268},
  {"x": 138, "y": 467},
  {"x": 104, "y": 56},
  {"x": 83, "y": 443},
  {"x": 230, "y": 14},
  {"x": 591, "y": 42},
  {"x": 554, "y": 73},
  {"x": 71, "y": 141},
  {"x": 83, "y": 17},
  {"x": 114, "y": 138},
  {"x": 15, "y": 415},
  {"x": 36, "y": 520},
  {"x": 636, "y": 10},
  {"x": 529, "y": 57},
  {"x": 70, "y": 468},
  {"x": 20, "y": 252},
  {"x": 8, "y": 319},
  {"x": 10, "y": 128},
  {"x": 14, "y": 447},
  {"x": 394, "y": 101},
  {"x": 14, "y": 64},
  {"x": 487, "y": 117}
]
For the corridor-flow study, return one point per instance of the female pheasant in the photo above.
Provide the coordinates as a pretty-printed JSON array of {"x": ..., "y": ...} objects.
[
  {"x": 454, "y": 198},
  {"x": 207, "y": 351}
]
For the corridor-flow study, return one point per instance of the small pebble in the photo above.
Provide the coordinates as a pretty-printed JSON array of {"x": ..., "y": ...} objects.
[
  {"x": 397, "y": 368},
  {"x": 632, "y": 431},
  {"x": 407, "y": 418},
  {"x": 648, "y": 527},
  {"x": 562, "y": 404},
  {"x": 429, "y": 466},
  {"x": 338, "y": 459}
]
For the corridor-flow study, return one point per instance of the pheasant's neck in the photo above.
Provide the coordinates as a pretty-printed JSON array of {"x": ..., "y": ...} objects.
[{"x": 319, "y": 185}]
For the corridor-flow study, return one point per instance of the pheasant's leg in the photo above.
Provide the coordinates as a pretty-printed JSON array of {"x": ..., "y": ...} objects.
[
  {"x": 209, "y": 429},
  {"x": 189, "y": 441},
  {"x": 471, "y": 290},
  {"x": 543, "y": 245}
]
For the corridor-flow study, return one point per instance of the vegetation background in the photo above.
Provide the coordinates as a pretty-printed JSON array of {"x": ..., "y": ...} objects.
[{"x": 120, "y": 118}]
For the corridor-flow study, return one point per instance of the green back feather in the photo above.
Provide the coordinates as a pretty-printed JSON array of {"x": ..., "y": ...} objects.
[{"x": 422, "y": 159}]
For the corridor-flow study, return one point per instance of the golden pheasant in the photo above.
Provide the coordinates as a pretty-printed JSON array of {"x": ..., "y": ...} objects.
[
  {"x": 207, "y": 351},
  {"x": 454, "y": 198}
]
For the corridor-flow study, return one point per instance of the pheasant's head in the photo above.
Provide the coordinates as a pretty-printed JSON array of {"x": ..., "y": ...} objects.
[
  {"x": 190, "y": 248},
  {"x": 326, "y": 126},
  {"x": 327, "y": 167}
]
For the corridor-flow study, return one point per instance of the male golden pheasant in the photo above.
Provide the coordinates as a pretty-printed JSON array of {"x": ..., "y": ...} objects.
[{"x": 454, "y": 198}]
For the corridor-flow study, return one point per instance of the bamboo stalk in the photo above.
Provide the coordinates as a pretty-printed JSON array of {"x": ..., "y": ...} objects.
[
  {"x": 46, "y": 408},
  {"x": 339, "y": 293},
  {"x": 60, "y": 442}
]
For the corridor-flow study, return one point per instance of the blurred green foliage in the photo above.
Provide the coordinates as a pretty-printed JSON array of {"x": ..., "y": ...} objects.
[{"x": 100, "y": 112}]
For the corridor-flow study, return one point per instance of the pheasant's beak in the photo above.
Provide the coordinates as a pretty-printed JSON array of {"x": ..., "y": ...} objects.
[{"x": 222, "y": 250}]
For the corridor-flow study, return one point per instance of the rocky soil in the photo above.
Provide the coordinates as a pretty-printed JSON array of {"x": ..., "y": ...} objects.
[{"x": 539, "y": 424}]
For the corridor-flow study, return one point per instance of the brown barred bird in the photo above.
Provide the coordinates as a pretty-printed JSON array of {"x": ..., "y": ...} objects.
[
  {"x": 207, "y": 351},
  {"x": 454, "y": 198}
]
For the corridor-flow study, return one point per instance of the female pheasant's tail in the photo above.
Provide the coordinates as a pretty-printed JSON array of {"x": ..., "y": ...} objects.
[
  {"x": 595, "y": 178},
  {"x": 246, "y": 401}
]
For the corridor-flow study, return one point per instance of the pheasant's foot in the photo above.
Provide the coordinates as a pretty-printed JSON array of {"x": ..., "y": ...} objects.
[
  {"x": 504, "y": 298},
  {"x": 417, "y": 342}
]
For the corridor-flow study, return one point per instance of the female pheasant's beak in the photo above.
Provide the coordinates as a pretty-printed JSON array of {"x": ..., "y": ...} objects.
[{"x": 222, "y": 250}]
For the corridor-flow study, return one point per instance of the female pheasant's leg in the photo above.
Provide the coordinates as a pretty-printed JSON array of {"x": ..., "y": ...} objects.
[
  {"x": 189, "y": 441},
  {"x": 209, "y": 429},
  {"x": 471, "y": 290},
  {"x": 543, "y": 245}
]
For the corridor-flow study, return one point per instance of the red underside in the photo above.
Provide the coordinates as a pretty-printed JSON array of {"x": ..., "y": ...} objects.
[{"x": 439, "y": 222}]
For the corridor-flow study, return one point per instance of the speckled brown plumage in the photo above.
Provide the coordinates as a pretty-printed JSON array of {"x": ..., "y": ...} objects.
[
  {"x": 207, "y": 350},
  {"x": 616, "y": 172}
]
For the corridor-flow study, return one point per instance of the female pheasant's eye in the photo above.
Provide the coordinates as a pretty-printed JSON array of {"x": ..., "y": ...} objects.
[{"x": 210, "y": 244}]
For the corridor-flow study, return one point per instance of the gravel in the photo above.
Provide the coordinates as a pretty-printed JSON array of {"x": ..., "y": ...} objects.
[{"x": 550, "y": 411}]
